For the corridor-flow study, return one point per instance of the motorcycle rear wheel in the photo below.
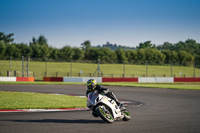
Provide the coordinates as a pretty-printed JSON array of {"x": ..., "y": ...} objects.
[{"x": 105, "y": 114}]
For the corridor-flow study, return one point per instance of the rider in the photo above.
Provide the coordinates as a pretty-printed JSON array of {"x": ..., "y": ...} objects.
[{"x": 91, "y": 85}]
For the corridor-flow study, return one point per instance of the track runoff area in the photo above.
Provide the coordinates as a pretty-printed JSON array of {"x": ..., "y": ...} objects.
[{"x": 126, "y": 103}]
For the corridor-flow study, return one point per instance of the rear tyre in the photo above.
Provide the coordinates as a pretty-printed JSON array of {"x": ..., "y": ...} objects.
[
  {"x": 94, "y": 114},
  {"x": 105, "y": 114}
]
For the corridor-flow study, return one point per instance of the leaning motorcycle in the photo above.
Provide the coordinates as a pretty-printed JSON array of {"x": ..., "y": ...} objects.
[{"x": 106, "y": 108}]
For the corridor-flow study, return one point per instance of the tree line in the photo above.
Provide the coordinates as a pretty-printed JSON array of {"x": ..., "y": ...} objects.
[{"x": 182, "y": 53}]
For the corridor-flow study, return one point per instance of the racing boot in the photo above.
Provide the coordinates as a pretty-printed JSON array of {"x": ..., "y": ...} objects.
[
  {"x": 121, "y": 107},
  {"x": 112, "y": 96}
]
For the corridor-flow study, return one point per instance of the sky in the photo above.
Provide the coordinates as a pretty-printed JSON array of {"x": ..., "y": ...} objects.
[{"x": 122, "y": 22}]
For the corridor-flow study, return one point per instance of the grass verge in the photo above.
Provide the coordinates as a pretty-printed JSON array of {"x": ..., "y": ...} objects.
[
  {"x": 41, "y": 83},
  {"x": 25, "y": 100},
  {"x": 185, "y": 86}
]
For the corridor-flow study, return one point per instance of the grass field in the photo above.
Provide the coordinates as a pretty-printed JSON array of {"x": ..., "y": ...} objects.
[
  {"x": 61, "y": 69},
  {"x": 183, "y": 86},
  {"x": 23, "y": 100}
]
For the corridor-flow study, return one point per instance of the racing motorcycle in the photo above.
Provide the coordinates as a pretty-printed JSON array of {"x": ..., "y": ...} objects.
[{"x": 106, "y": 108}]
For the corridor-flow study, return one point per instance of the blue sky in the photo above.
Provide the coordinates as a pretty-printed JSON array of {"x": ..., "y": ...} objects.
[{"x": 124, "y": 22}]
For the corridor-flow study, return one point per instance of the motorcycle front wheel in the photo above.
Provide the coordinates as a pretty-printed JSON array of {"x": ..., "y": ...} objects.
[
  {"x": 105, "y": 114},
  {"x": 127, "y": 115}
]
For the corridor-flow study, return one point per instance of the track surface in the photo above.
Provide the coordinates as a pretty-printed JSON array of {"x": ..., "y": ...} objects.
[{"x": 163, "y": 111}]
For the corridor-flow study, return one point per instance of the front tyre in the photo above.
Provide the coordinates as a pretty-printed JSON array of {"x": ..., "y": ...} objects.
[
  {"x": 127, "y": 115},
  {"x": 105, "y": 114}
]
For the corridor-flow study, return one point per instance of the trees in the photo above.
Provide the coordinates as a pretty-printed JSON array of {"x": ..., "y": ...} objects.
[
  {"x": 185, "y": 58},
  {"x": 166, "y": 46},
  {"x": 2, "y": 50},
  {"x": 66, "y": 53},
  {"x": 39, "y": 48},
  {"x": 25, "y": 50},
  {"x": 6, "y": 38},
  {"x": 132, "y": 56},
  {"x": 146, "y": 44},
  {"x": 183, "y": 52},
  {"x": 86, "y": 45},
  {"x": 92, "y": 54},
  {"x": 121, "y": 56},
  {"x": 106, "y": 55},
  {"x": 78, "y": 54}
]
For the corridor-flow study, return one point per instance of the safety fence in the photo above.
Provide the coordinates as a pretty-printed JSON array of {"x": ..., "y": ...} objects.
[{"x": 40, "y": 69}]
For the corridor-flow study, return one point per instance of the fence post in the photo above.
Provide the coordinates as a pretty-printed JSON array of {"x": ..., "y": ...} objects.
[
  {"x": 11, "y": 65},
  {"x": 146, "y": 68},
  {"x": 15, "y": 73},
  {"x": 27, "y": 67},
  {"x": 171, "y": 68},
  {"x": 71, "y": 67},
  {"x": 8, "y": 73},
  {"x": 22, "y": 66},
  {"x": 123, "y": 69},
  {"x": 46, "y": 69},
  {"x": 194, "y": 69}
]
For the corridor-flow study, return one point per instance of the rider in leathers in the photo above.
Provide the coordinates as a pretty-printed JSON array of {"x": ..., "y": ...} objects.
[{"x": 91, "y": 85}]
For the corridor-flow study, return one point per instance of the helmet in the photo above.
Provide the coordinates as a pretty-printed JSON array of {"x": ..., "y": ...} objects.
[{"x": 91, "y": 83}]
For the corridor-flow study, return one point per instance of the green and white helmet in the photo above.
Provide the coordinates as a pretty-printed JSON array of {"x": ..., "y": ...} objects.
[{"x": 91, "y": 84}]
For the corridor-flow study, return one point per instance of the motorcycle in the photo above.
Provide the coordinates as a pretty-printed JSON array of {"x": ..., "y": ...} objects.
[{"x": 106, "y": 108}]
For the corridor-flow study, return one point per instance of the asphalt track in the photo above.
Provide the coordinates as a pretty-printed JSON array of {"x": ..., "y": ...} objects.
[{"x": 162, "y": 111}]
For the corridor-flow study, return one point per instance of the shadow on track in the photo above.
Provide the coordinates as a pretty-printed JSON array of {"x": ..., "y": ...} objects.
[{"x": 60, "y": 121}]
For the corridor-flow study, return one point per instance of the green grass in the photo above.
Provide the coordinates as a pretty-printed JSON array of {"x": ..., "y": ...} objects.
[
  {"x": 23, "y": 100},
  {"x": 184, "y": 86},
  {"x": 41, "y": 83},
  {"x": 63, "y": 69}
]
